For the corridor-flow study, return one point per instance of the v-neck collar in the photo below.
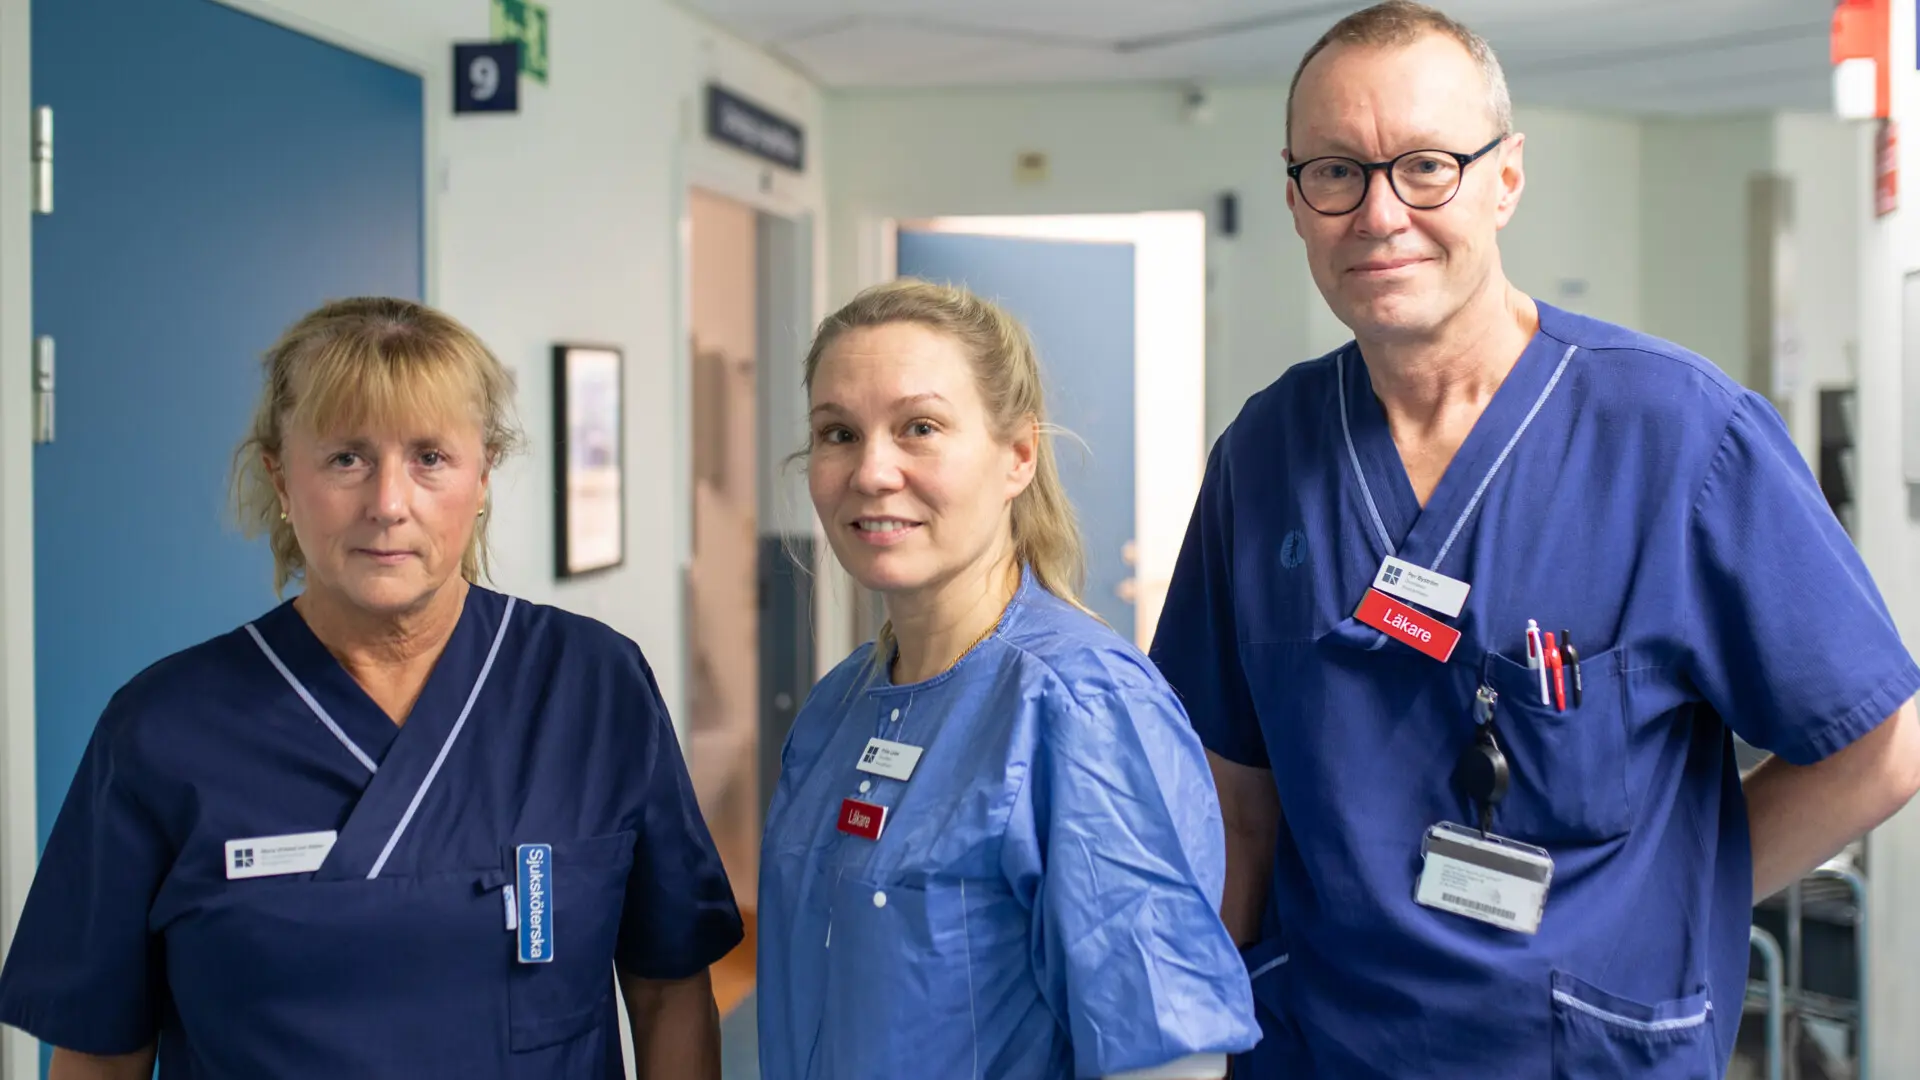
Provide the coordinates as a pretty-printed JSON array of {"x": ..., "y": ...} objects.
[
  {"x": 409, "y": 757},
  {"x": 1398, "y": 524},
  {"x": 340, "y": 702}
]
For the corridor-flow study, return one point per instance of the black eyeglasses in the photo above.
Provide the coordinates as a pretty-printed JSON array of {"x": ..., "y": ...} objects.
[{"x": 1423, "y": 179}]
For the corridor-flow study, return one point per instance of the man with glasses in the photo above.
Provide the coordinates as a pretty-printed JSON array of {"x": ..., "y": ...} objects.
[{"x": 1467, "y": 613}]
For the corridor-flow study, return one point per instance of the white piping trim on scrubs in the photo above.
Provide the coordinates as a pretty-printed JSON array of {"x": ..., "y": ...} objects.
[
  {"x": 1269, "y": 966},
  {"x": 1340, "y": 374},
  {"x": 274, "y": 658},
  {"x": 440, "y": 759},
  {"x": 1545, "y": 393},
  {"x": 1485, "y": 481},
  {"x": 1679, "y": 1023}
]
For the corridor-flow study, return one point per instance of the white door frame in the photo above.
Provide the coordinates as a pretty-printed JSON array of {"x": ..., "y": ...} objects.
[
  {"x": 19, "y": 828},
  {"x": 19, "y": 1055},
  {"x": 724, "y": 172}
]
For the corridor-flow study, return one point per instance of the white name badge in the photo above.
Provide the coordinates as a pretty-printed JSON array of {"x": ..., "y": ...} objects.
[
  {"x": 1498, "y": 882},
  {"x": 893, "y": 760},
  {"x": 1402, "y": 580},
  {"x": 269, "y": 856}
]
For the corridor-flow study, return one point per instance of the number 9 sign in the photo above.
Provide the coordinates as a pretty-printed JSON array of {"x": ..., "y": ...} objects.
[
  {"x": 486, "y": 77},
  {"x": 484, "y": 72}
]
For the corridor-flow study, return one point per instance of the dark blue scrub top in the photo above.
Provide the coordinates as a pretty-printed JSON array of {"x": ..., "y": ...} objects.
[
  {"x": 1619, "y": 487},
  {"x": 536, "y": 727}
]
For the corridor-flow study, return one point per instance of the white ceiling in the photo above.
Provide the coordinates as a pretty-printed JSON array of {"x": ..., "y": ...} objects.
[{"x": 1628, "y": 55}]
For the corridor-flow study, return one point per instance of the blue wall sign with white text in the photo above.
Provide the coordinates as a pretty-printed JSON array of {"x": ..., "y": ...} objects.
[{"x": 741, "y": 124}]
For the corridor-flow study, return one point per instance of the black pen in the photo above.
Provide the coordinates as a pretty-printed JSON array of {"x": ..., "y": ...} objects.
[{"x": 1571, "y": 658}]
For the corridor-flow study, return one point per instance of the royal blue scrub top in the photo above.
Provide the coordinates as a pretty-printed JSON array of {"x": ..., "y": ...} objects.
[
  {"x": 393, "y": 959},
  {"x": 1617, "y": 487},
  {"x": 1042, "y": 901}
]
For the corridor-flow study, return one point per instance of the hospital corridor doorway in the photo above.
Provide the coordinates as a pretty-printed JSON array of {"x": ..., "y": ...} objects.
[{"x": 748, "y": 580}]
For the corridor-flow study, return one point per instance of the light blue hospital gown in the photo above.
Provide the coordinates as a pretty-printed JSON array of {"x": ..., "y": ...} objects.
[{"x": 1043, "y": 900}]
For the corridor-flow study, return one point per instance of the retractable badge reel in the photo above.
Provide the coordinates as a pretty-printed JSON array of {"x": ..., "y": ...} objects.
[{"x": 1482, "y": 769}]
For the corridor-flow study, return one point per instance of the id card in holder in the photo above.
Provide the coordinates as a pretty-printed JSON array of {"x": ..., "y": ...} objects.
[{"x": 1496, "y": 881}]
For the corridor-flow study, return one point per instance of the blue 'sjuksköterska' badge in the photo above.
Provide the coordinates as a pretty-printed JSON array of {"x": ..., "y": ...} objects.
[{"x": 535, "y": 895}]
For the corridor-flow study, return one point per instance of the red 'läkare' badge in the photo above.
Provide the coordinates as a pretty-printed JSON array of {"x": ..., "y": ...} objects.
[
  {"x": 862, "y": 819},
  {"x": 1401, "y": 622}
]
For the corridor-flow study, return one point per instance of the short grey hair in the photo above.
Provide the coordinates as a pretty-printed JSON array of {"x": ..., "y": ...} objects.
[{"x": 1398, "y": 23}]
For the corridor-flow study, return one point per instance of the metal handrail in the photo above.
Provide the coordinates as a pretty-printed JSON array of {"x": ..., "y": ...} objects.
[
  {"x": 1835, "y": 871},
  {"x": 1769, "y": 950}
]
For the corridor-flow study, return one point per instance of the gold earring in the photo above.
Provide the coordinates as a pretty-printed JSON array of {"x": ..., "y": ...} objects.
[
  {"x": 483, "y": 511},
  {"x": 283, "y": 515}
]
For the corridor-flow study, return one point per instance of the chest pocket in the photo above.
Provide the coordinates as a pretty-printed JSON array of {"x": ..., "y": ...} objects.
[
  {"x": 900, "y": 974},
  {"x": 1354, "y": 716},
  {"x": 1569, "y": 769},
  {"x": 1598, "y": 1035},
  {"x": 565, "y": 997}
]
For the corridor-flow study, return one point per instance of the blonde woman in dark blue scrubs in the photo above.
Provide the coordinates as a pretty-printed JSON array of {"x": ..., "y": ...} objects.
[{"x": 399, "y": 826}]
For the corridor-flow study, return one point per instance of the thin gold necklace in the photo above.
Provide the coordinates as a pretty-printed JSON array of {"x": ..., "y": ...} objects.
[
  {"x": 991, "y": 627},
  {"x": 961, "y": 655}
]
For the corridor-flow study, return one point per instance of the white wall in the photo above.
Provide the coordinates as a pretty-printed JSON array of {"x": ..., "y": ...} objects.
[
  {"x": 1693, "y": 193},
  {"x": 559, "y": 223},
  {"x": 1821, "y": 155},
  {"x": 923, "y": 154},
  {"x": 1574, "y": 240},
  {"x": 1694, "y": 243}
]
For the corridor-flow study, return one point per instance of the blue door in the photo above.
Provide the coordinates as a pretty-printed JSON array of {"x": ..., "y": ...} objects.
[
  {"x": 1076, "y": 299},
  {"x": 215, "y": 177}
]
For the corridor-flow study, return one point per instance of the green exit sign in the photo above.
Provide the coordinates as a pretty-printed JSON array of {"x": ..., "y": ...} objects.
[{"x": 525, "y": 22}]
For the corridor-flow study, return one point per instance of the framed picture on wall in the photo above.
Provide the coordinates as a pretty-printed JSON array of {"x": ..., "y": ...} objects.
[{"x": 589, "y": 482}]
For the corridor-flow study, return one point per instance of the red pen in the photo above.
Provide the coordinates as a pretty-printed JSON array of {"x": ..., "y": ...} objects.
[{"x": 1558, "y": 668}]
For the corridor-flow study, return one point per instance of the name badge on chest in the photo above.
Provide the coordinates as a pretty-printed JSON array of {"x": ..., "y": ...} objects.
[
  {"x": 534, "y": 899},
  {"x": 893, "y": 760},
  {"x": 1417, "y": 585},
  {"x": 862, "y": 819},
  {"x": 271, "y": 856}
]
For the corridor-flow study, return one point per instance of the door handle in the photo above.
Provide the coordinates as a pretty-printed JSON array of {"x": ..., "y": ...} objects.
[{"x": 43, "y": 389}]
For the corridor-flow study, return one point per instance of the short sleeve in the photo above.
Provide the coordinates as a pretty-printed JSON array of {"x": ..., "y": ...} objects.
[
  {"x": 1785, "y": 634},
  {"x": 1196, "y": 644},
  {"x": 1128, "y": 943},
  {"x": 680, "y": 914},
  {"x": 84, "y": 972}
]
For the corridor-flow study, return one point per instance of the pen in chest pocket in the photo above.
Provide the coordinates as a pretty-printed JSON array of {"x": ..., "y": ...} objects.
[
  {"x": 1571, "y": 660},
  {"x": 1537, "y": 658},
  {"x": 1555, "y": 667}
]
